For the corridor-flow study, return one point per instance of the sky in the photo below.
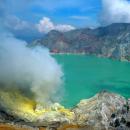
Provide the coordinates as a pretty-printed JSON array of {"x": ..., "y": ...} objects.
[{"x": 30, "y": 19}]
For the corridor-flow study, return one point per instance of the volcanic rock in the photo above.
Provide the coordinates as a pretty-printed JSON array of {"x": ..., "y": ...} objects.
[
  {"x": 104, "y": 111},
  {"x": 96, "y": 111},
  {"x": 111, "y": 41}
]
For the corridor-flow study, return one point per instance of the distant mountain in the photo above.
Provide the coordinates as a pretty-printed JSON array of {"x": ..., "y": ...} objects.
[{"x": 111, "y": 41}]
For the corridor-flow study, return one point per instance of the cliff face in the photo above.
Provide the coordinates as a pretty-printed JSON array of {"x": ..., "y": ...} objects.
[
  {"x": 104, "y": 111},
  {"x": 111, "y": 41}
]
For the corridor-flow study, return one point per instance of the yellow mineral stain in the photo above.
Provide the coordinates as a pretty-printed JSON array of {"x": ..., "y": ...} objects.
[
  {"x": 11, "y": 127},
  {"x": 61, "y": 109},
  {"x": 42, "y": 128},
  {"x": 72, "y": 127},
  {"x": 24, "y": 107}
]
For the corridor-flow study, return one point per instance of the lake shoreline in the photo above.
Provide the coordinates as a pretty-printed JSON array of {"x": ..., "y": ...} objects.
[
  {"x": 88, "y": 75},
  {"x": 85, "y": 54}
]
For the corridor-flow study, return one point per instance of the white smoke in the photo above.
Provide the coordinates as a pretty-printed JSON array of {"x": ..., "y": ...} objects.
[
  {"x": 115, "y": 11},
  {"x": 31, "y": 69}
]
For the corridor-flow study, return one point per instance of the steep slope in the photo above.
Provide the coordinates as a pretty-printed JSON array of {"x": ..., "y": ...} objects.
[{"x": 111, "y": 41}]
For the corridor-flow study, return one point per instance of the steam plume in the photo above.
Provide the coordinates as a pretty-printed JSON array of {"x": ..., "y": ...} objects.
[{"x": 31, "y": 70}]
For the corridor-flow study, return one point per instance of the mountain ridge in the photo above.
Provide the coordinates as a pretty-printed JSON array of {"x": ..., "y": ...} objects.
[{"x": 112, "y": 41}]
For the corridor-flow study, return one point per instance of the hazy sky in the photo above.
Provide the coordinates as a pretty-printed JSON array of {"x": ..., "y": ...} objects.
[{"x": 37, "y": 17}]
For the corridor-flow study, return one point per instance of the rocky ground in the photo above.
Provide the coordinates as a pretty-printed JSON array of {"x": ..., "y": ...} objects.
[{"x": 104, "y": 111}]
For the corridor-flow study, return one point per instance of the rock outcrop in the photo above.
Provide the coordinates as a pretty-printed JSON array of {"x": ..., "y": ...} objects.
[
  {"x": 96, "y": 112},
  {"x": 104, "y": 111}
]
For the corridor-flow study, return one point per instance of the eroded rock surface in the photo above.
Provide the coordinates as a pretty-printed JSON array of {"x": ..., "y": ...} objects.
[
  {"x": 97, "y": 111},
  {"x": 112, "y": 41},
  {"x": 104, "y": 111}
]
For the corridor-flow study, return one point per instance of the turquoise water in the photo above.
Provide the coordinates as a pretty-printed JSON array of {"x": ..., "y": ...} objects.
[{"x": 87, "y": 75}]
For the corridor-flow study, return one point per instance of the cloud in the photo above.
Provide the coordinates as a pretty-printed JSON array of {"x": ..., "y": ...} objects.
[
  {"x": 115, "y": 11},
  {"x": 64, "y": 27},
  {"x": 15, "y": 23},
  {"x": 80, "y": 17},
  {"x": 45, "y": 25},
  {"x": 28, "y": 31},
  {"x": 20, "y": 28}
]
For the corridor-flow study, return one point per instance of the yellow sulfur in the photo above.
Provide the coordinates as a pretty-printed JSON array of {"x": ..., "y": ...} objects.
[{"x": 20, "y": 105}]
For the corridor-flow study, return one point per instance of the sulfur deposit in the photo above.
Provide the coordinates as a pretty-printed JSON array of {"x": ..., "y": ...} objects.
[
  {"x": 104, "y": 111},
  {"x": 31, "y": 79}
]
